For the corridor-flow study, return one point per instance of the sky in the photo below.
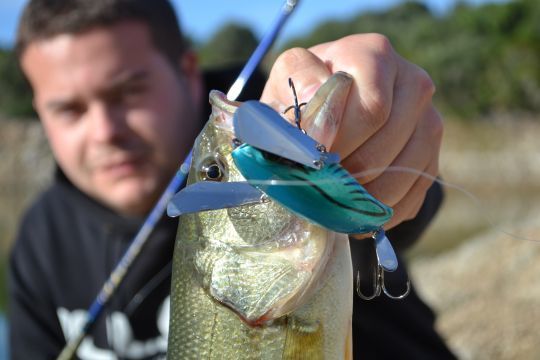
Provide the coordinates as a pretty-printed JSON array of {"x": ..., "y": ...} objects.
[{"x": 201, "y": 18}]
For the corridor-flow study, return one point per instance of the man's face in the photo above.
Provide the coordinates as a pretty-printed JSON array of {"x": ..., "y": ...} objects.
[{"x": 117, "y": 114}]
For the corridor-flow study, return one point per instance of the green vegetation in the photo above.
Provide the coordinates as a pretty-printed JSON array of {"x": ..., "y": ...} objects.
[
  {"x": 15, "y": 94},
  {"x": 232, "y": 44},
  {"x": 483, "y": 59}
]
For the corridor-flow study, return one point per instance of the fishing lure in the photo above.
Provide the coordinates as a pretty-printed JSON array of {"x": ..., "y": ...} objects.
[
  {"x": 280, "y": 161},
  {"x": 295, "y": 170}
]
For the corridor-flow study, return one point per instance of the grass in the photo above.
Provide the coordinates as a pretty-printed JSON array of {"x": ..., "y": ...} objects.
[
  {"x": 462, "y": 218},
  {"x": 498, "y": 164}
]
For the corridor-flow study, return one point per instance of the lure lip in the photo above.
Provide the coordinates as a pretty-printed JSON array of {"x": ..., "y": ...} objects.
[
  {"x": 210, "y": 195},
  {"x": 279, "y": 137}
]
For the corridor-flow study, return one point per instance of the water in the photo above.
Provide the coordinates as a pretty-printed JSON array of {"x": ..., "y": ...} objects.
[{"x": 3, "y": 338}]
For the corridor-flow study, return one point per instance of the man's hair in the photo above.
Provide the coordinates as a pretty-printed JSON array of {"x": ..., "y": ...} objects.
[{"x": 43, "y": 19}]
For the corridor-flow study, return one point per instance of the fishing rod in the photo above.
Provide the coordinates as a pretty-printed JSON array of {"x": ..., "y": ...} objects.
[{"x": 134, "y": 249}]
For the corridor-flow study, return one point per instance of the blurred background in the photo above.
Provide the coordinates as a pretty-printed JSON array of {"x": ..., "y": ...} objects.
[{"x": 479, "y": 263}]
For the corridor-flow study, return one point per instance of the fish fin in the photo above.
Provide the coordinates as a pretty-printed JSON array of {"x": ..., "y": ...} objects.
[
  {"x": 303, "y": 342},
  {"x": 348, "y": 345}
]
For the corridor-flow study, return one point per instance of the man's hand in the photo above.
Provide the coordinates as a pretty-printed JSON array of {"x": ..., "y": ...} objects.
[{"x": 389, "y": 119}]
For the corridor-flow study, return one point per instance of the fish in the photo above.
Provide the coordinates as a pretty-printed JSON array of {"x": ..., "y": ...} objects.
[{"x": 257, "y": 281}]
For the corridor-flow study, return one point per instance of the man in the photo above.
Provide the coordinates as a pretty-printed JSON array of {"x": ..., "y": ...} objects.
[{"x": 121, "y": 99}]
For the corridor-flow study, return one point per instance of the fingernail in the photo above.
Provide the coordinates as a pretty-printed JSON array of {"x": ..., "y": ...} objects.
[{"x": 308, "y": 92}]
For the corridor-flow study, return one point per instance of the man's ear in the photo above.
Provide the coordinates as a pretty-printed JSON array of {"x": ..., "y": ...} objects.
[{"x": 189, "y": 66}]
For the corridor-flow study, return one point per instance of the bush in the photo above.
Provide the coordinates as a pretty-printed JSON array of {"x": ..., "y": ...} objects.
[{"x": 15, "y": 92}]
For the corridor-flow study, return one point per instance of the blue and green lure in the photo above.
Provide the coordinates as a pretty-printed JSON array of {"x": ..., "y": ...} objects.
[
  {"x": 281, "y": 161},
  {"x": 297, "y": 172},
  {"x": 329, "y": 196}
]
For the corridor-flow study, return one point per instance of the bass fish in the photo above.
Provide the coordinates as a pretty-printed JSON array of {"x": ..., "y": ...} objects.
[{"x": 256, "y": 281}]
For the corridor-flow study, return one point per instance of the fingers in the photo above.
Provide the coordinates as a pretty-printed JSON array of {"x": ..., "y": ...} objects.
[
  {"x": 305, "y": 69},
  {"x": 372, "y": 62},
  {"x": 408, "y": 207},
  {"x": 411, "y": 101},
  {"x": 420, "y": 152},
  {"x": 388, "y": 119}
]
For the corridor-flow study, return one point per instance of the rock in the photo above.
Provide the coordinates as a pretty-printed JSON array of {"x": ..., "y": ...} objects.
[
  {"x": 26, "y": 168},
  {"x": 487, "y": 293}
]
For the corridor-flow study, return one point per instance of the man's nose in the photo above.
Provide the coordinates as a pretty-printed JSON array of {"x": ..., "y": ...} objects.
[{"x": 107, "y": 122}]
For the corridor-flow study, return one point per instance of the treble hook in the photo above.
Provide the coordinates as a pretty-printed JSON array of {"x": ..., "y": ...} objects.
[
  {"x": 379, "y": 286},
  {"x": 296, "y": 107},
  {"x": 386, "y": 261}
]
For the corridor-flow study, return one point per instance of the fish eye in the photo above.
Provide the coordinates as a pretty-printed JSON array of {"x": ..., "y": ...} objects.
[{"x": 212, "y": 170}]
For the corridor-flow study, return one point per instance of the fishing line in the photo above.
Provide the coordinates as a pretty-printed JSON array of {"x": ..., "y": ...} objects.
[
  {"x": 402, "y": 169},
  {"x": 147, "y": 289}
]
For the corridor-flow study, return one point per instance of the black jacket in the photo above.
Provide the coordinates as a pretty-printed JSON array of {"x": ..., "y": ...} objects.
[{"x": 68, "y": 244}]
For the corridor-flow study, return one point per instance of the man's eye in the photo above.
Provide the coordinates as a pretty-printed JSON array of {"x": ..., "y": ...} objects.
[
  {"x": 69, "y": 113},
  {"x": 133, "y": 91}
]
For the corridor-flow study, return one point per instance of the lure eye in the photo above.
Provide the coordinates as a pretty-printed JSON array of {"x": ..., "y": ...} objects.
[{"x": 212, "y": 170}]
